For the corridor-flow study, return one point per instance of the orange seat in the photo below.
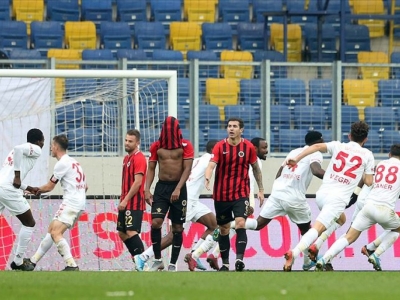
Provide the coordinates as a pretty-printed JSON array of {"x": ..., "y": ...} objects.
[
  {"x": 237, "y": 71},
  {"x": 371, "y": 7},
  {"x": 185, "y": 36},
  {"x": 65, "y": 55},
  {"x": 222, "y": 92},
  {"x": 294, "y": 42},
  {"x": 80, "y": 35},
  {"x": 199, "y": 10},
  {"x": 373, "y": 73},
  {"x": 360, "y": 93},
  {"x": 28, "y": 11}
]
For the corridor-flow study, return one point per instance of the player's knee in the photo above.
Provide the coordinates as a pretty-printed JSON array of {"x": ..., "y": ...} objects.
[
  {"x": 341, "y": 220},
  {"x": 156, "y": 223},
  {"x": 304, "y": 227},
  {"x": 177, "y": 228}
]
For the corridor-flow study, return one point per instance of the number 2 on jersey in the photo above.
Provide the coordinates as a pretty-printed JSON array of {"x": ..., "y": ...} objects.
[
  {"x": 78, "y": 169},
  {"x": 342, "y": 157}
]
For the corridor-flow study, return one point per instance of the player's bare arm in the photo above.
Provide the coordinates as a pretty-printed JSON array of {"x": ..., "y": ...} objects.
[
  {"x": 48, "y": 187},
  {"x": 321, "y": 147},
  {"x": 278, "y": 174},
  {"x": 151, "y": 170},
  {"x": 258, "y": 177},
  {"x": 368, "y": 179},
  {"x": 208, "y": 174},
  {"x": 317, "y": 171},
  {"x": 187, "y": 168},
  {"x": 132, "y": 191}
]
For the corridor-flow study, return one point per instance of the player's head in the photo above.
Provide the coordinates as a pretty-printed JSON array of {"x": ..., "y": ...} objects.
[
  {"x": 210, "y": 145},
  {"x": 132, "y": 140},
  {"x": 171, "y": 134},
  {"x": 395, "y": 151},
  {"x": 35, "y": 136},
  {"x": 234, "y": 127},
  {"x": 261, "y": 147},
  {"x": 59, "y": 145},
  {"x": 359, "y": 132},
  {"x": 313, "y": 137}
]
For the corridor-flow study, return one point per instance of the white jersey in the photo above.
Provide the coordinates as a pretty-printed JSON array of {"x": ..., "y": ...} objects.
[
  {"x": 293, "y": 183},
  {"x": 22, "y": 158},
  {"x": 386, "y": 187},
  {"x": 348, "y": 164},
  {"x": 195, "y": 182},
  {"x": 251, "y": 176},
  {"x": 72, "y": 178}
]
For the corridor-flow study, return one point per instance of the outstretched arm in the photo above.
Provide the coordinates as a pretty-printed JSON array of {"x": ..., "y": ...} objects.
[
  {"x": 317, "y": 170},
  {"x": 313, "y": 148}
]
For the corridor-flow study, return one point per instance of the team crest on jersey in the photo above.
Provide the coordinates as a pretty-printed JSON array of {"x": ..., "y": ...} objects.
[
  {"x": 128, "y": 164},
  {"x": 241, "y": 154},
  {"x": 128, "y": 213},
  {"x": 183, "y": 202}
]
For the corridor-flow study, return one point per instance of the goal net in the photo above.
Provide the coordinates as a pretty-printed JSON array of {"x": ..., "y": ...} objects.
[{"x": 94, "y": 108}]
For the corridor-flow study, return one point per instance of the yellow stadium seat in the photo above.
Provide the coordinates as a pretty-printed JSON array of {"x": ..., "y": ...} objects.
[
  {"x": 371, "y": 7},
  {"x": 199, "y": 10},
  {"x": 373, "y": 73},
  {"x": 65, "y": 54},
  {"x": 80, "y": 35},
  {"x": 28, "y": 11},
  {"x": 59, "y": 89},
  {"x": 360, "y": 93},
  {"x": 294, "y": 43},
  {"x": 222, "y": 92},
  {"x": 185, "y": 36},
  {"x": 237, "y": 71}
]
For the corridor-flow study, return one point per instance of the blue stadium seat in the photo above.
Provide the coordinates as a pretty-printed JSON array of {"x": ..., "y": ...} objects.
[
  {"x": 46, "y": 35},
  {"x": 251, "y": 133},
  {"x": 273, "y": 56},
  {"x": 103, "y": 54},
  {"x": 149, "y": 36},
  {"x": 84, "y": 139},
  {"x": 110, "y": 139},
  {"x": 374, "y": 142},
  {"x": 96, "y": 11},
  {"x": 76, "y": 87},
  {"x": 71, "y": 115},
  {"x": 250, "y": 92},
  {"x": 23, "y": 54},
  {"x": 94, "y": 114},
  {"x": 166, "y": 12},
  {"x": 63, "y": 10},
  {"x": 233, "y": 12},
  {"x": 326, "y": 134},
  {"x": 349, "y": 116},
  {"x": 281, "y": 117},
  {"x": 133, "y": 56},
  {"x": 5, "y": 10},
  {"x": 262, "y": 6},
  {"x": 183, "y": 93},
  {"x": 328, "y": 42},
  {"x": 209, "y": 118},
  {"x": 250, "y": 36},
  {"x": 13, "y": 35},
  {"x": 216, "y": 36},
  {"x": 356, "y": 39},
  {"x": 169, "y": 55},
  {"x": 115, "y": 35},
  {"x": 390, "y": 137},
  {"x": 205, "y": 71},
  {"x": 395, "y": 59},
  {"x": 302, "y": 20},
  {"x": 249, "y": 114},
  {"x": 131, "y": 11},
  {"x": 380, "y": 118},
  {"x": 290, "y": 92},
  {"x": 388, "y": 92},
  {"x": 321, "y": 92},
  {"x": 217, "y": 134},
  {"x": 150, "y": 135},
  {"x": 309, "y": 117},
  {"x": 290, "y": 139},
  {"x": 334, "y": 6},
  {"x": 202, "y": 140}
]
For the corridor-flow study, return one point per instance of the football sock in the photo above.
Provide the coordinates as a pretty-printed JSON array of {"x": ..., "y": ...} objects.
[
  {"x": 224, "y": 246},
  {"x": 335, "y": 249},
  {"x": 216, "y": 251},
  {"x": 156, "y": 241},
  {"x": 134, "y": 245},
  {"x": 203, "y": 247},
  {"x": 241, "y": 243},
  {"x": 65, "y": 251},
  {"x": 305, "y": 242},
  {"x": 387, "y": 241},
  {"x": 176, "y": 247},
  {"x": 44, "y": 246},
  {"x": 306, "y": 259},
  {"x": 197, "y": 244},
  {"x": 24, "y": 236},
  {"x": 251, "y": 224},
  {"x": 327, "y": 233},
  {"x": 147, "y": 254},
  {"x": 375, "y": 244}
]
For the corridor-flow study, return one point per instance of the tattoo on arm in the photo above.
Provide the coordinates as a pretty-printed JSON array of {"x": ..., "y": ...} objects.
[{"x": 258, "y": 175}]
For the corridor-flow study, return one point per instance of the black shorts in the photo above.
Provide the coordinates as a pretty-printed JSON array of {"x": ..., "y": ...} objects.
[
  {"x": 227, "y": 211},
  {"x": 162, "y": 202},
  {"x": 130, "y": 220}
]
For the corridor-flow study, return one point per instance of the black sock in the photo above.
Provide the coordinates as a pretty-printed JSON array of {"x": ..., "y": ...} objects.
[
  {"x": 241, "y": 243},
  {"x": 224, "y": 247},
  {"x": 156, "y": 241},
  {"x": 134, "y": 245},
  {"x": 176, "y": 246}
]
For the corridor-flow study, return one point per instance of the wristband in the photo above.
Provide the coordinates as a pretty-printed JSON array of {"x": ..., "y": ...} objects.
[
  {"x": 357, "y": 190},
  {"x": 23, "y": 186}
]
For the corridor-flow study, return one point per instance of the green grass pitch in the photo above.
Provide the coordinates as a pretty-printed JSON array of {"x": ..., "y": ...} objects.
[{"x": 199, "y": 285}]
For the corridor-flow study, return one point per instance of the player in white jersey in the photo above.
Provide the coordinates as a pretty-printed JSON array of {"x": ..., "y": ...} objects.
[
  {"x": 196, "y": 212},
  {"x": 70, "y": 174},
  {"x": 379, "y": 209},
  {"x": 349, "y": 162},
  {"x": 12, "y": 174}
]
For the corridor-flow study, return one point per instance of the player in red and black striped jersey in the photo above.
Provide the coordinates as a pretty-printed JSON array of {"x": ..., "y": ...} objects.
[
  {"x": 132, "y": 203},
  {"x": 175, "y": 158},
  {"x": 232, "y": 158}
]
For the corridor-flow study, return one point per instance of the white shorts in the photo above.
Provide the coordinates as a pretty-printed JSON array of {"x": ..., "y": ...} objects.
[
  {"x": 298, "y": 212},
  {"x": 14, "y": 201},
  {"x": 331, "y": 208},
  {"x": 195, "y": 210},
  {"x": 67, "y": 215},
  {"x": 372, "y": 214}
]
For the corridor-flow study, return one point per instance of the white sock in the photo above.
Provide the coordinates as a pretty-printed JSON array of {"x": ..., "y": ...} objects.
[
  {"x": 251, "y": 224},
  {"x": 327, "y": 233},
  {"x": 216, "y": 251},
  {"x": 204, "y": 247},
  {"x": 305, "y": 242},
  {"x": 375, "y": 244},
  {"x": 65, "y": 251},
  {"x": 335, "y": 249},
  {"x": 306, "y": 260},
  {"x": 147, "y": 254},
  {"x": 233, "y": 224},
  {"x": 197, "y": 244},
  {"x": 24, "y": 237},
  {"x": 44, "y": 246},
  {"x": 386, "y": 243}
]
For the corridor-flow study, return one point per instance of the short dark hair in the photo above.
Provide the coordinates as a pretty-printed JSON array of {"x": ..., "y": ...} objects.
[
  {"x": 135, "y": 133},
  {"x": 256, "y": 141},
  {"x": 359, "y": 131},
  {"x": 395, "y": 150},
  {"x": 241, "y": 123},
  {"x": 62, "y": 141},
  {"x": 312, "y": 137},
  {"x": 210, "y": 145},
  {"x": 34, "y": 135}
]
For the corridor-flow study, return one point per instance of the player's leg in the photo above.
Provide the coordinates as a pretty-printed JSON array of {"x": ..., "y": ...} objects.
[
  {"x": 371, "y": 247},
  {"x": 166, "y": 241},
  {"x": 223, "y": 213},
  {"x": 239, "y": 210}
]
